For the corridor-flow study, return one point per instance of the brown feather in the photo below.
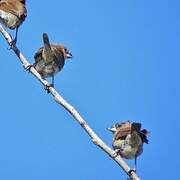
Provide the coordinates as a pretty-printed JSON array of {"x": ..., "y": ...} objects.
[
  {"x": 57, "y": 49},
  {"x": 123, "y": 130},
  {"x": 15, "y": 7}
]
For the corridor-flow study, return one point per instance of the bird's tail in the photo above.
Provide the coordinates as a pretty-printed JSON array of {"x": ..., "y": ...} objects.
[{"x": 47, "y": 45}]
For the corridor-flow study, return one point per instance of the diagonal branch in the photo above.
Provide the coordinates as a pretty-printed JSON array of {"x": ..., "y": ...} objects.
[{"x": 61, "y": 101}]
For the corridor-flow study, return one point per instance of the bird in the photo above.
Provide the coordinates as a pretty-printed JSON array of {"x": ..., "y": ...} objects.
[
  {"x": 50, "y": 59},
  {"x": 13, "y": 14},
  {"x": 128, "y": 139}
]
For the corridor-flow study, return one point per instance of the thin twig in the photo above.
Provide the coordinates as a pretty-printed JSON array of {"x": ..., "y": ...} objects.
[{"x": 60, "y": 100}]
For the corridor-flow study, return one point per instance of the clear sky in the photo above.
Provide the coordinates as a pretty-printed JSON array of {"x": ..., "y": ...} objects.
[{"x": 125, "y": 67}]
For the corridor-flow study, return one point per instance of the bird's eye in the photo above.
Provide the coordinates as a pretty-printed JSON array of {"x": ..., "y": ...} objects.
[{"x": 65, "y": 49}]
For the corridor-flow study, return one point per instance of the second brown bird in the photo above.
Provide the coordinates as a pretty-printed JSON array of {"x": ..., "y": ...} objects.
[{"x": 128, "y": 139}]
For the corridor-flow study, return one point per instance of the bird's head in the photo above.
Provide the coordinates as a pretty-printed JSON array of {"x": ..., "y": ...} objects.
[
  {"x": 67, "y": 53},
  {"x": 119, "y": 126}
]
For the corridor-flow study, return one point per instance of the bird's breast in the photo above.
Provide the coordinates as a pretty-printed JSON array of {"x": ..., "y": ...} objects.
[
  {"x": 127, "y": 148},
  {"x": 128, "y": 152},
  {"x": 9, "y": 20},
  {"x": 47, "y": 70}
]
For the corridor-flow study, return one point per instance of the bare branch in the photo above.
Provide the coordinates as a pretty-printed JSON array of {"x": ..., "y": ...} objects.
[{"x": 59, "y": 99}]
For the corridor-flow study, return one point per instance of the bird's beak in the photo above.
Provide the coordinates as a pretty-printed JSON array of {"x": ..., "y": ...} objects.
[
  {"x": 69, "y": 55},
  {"x": 112, "y": 129}
]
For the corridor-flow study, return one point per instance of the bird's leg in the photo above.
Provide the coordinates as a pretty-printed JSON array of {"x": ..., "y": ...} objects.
[
  {"x": 50, "y": 85},
  {"x": 16, "y": 35},
  {"x": 14, "y": 41},
  {"x": 135, "y": 167},
  {"x": 135, "y": 163},
  {"x": 52, "y": 82}
]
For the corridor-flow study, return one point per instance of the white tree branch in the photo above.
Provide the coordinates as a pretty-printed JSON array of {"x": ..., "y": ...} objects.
[{"x": 59, "y": 99}]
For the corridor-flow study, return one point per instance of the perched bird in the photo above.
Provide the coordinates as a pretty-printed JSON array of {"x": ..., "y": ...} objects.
[
  {"x": 128, "y": 139},
  {"x": 50, "y": 59},
  {"x": 12, "y": 14}
]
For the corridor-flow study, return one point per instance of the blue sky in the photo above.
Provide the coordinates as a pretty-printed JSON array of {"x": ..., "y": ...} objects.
[{"x": 125, "y": 67}]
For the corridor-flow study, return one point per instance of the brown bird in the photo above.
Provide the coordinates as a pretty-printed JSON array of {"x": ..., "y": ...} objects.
[
  {"x": 128, "y": 139},
  {"x": 12, "y": 14},
  {"x": 50, "y": 59}
]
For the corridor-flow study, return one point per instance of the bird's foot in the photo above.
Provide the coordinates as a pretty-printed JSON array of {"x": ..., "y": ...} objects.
[
  {"x": 28, "y": 67},
  {"x": 131, "y": 170},
  {"x": 48, "y": 86},
  {"x": 116, "y": 153},
  {"x": 12, "y": 44}
]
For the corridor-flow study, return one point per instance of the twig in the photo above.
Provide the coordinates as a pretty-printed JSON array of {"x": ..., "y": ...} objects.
[{"x": 59, "y": 99}]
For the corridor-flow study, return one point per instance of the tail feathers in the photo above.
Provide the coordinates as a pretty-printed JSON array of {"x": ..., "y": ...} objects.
[
  {"x": 143, "y": 133},
  {"x": 135, "y": 127},
  {"x": 47, "y": 45}
]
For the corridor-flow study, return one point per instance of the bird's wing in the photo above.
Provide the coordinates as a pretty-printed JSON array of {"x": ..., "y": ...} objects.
[
  {"x": 38, "y": 54},
  {"x": 123, "y": 131},
  {"x": 58, "y": 52}
]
